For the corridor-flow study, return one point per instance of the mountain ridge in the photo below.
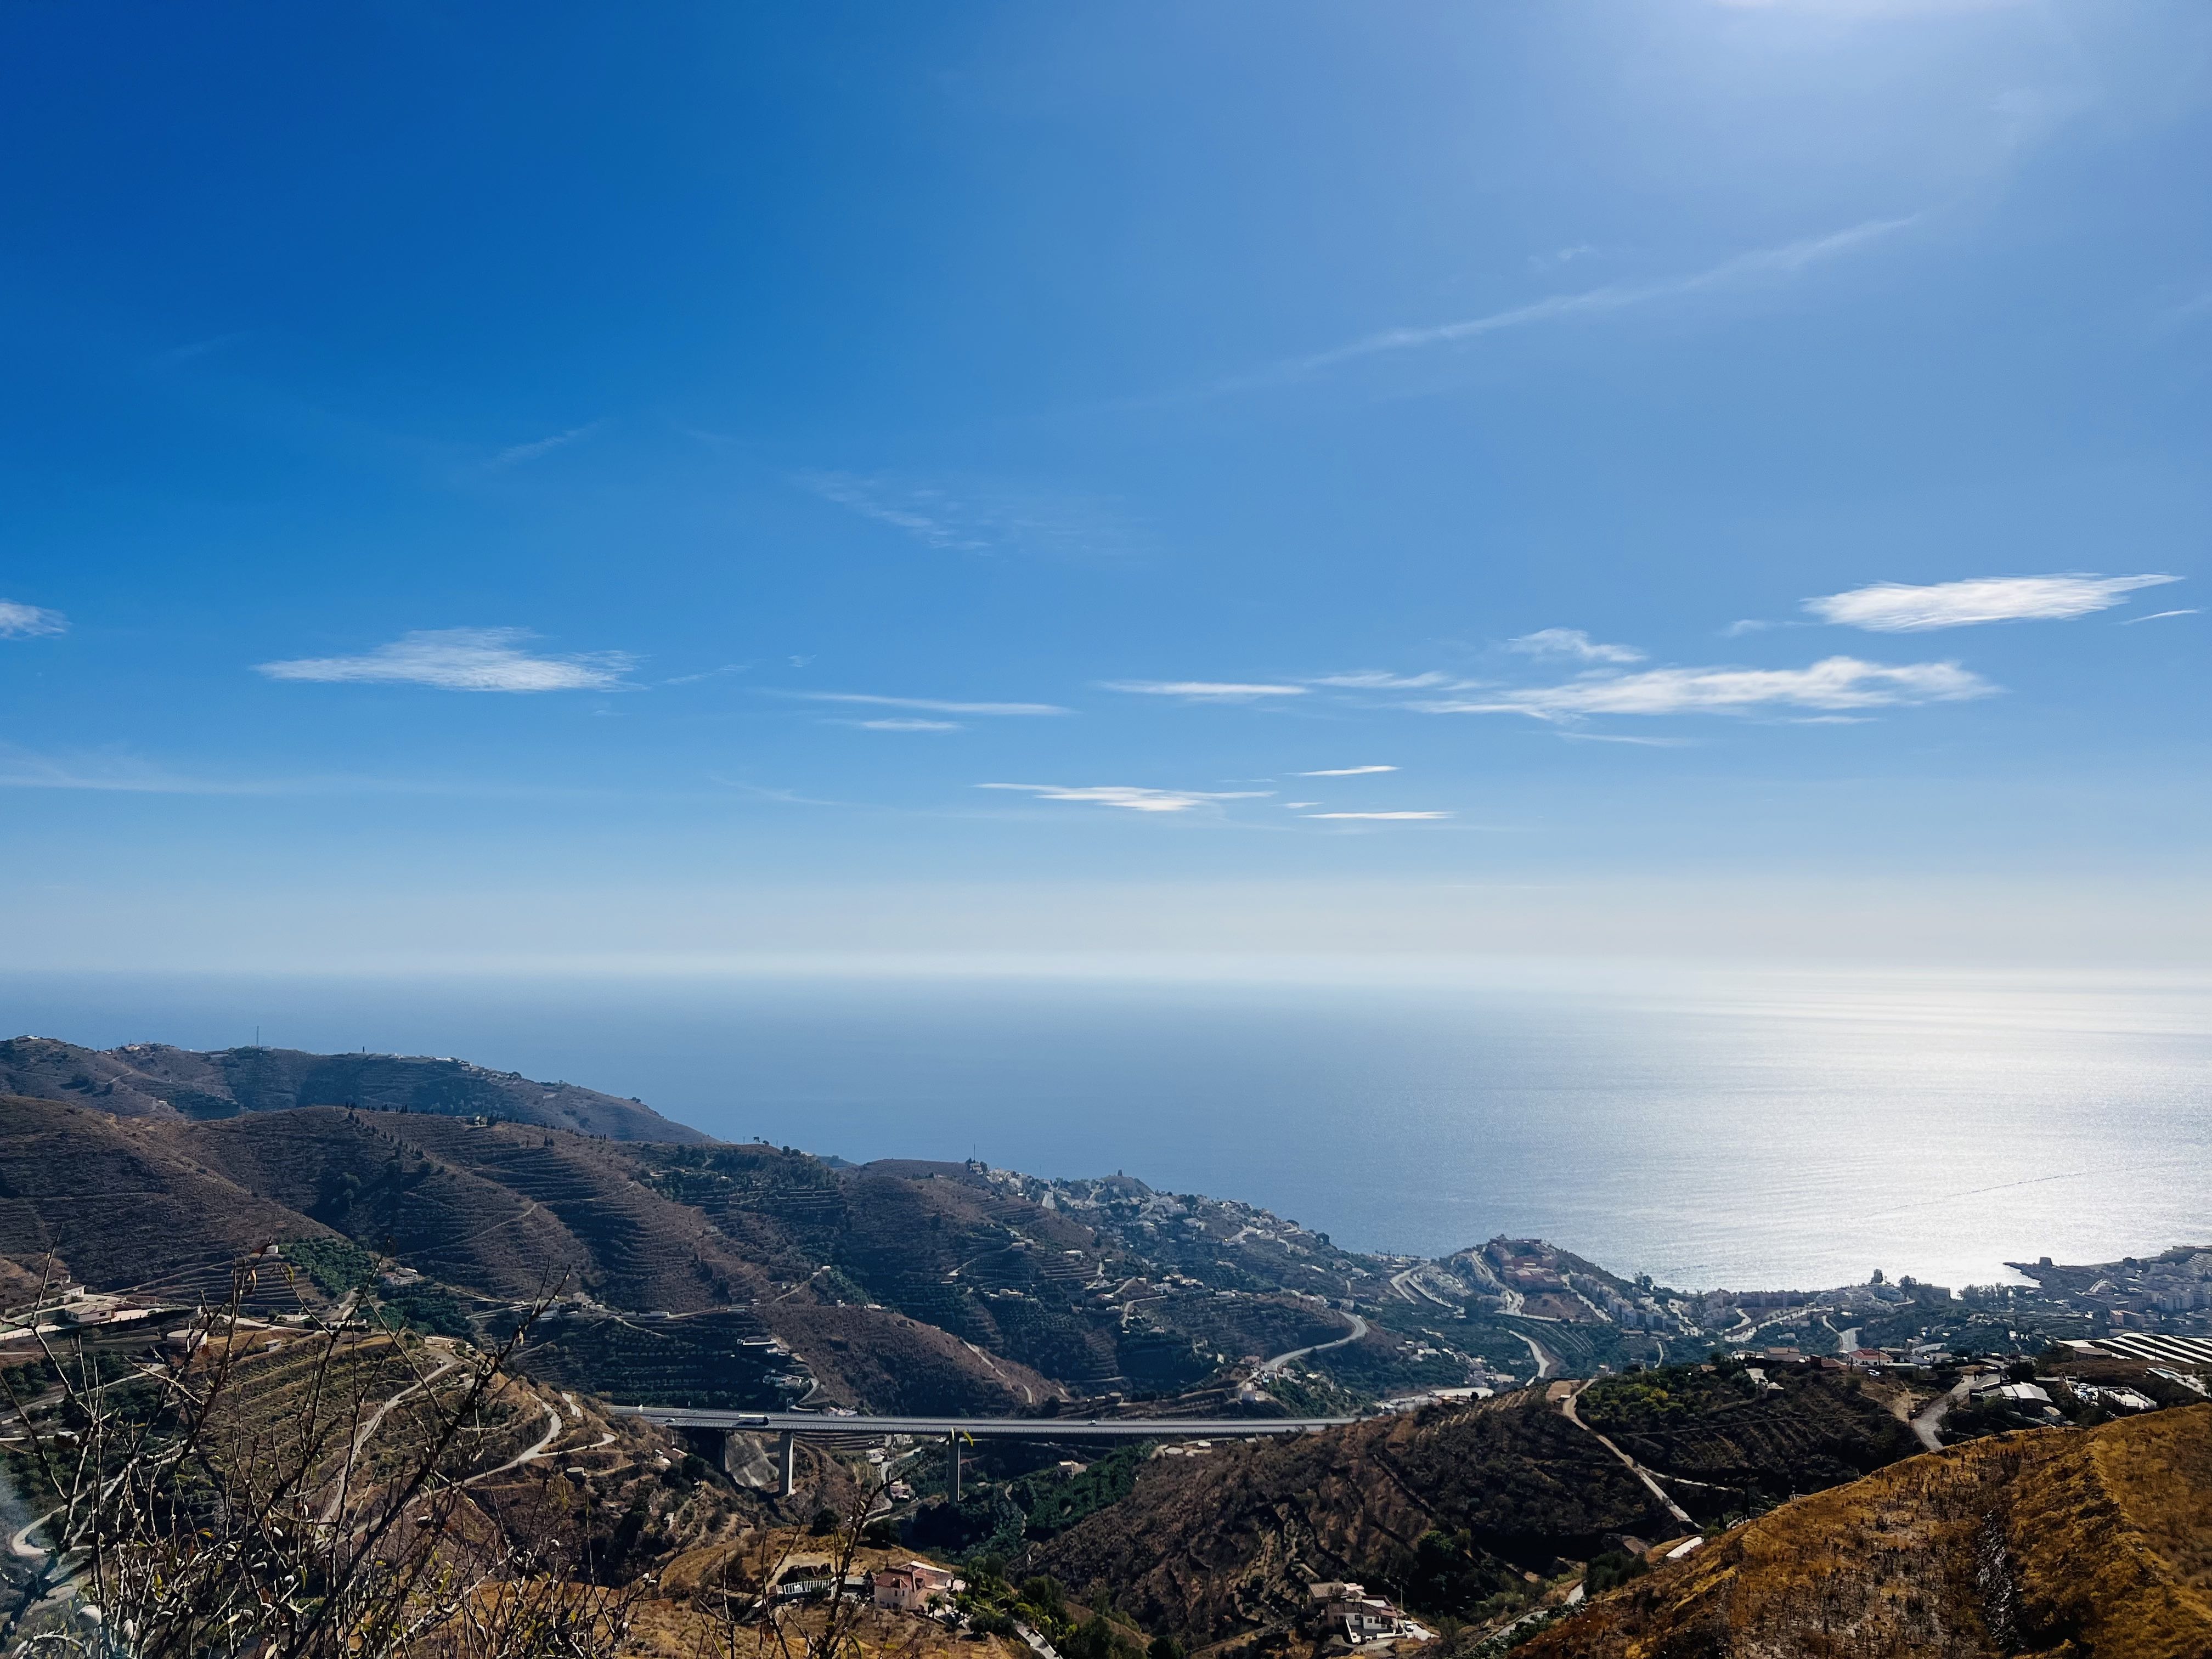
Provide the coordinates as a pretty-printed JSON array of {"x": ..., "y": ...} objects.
[{"x": 157, "y": 1080}]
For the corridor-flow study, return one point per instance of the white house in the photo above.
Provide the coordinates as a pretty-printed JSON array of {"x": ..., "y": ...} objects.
[
  {"x": 1364, "y": 1617},
  {"x": 912, "y": 1588}
]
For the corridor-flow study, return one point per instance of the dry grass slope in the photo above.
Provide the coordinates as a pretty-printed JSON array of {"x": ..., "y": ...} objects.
[{"x": 2046, "y": 1544}]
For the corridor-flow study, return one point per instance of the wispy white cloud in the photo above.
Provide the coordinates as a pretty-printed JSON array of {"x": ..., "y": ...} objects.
[
  {"x": 931, "y": 705},
  {"x": 1347, "y": 771},
  {"x": 906, "y": 726},
  {"x": 19, "y": 621},
  {"x": 1132, "y": 797},
  {"x": 926, "y": 514},
  {"x": 1572, "y": 642},
  {"x": 1835, "y": 682},
  {"x": 1785, "y": 260},
  {"x": 1897, "y": 608},
  {"x": 1559, "y": 257},
  {"x": 982, "y": 518},
  {"x": 116, "y": 772},
  {"x": 707, "y": 674},
  {"x": 1206, "y": 691},
  {"x": 463, "y": 659},
  {"x": 1381, "y": 679},
  {"x": 781, "y": 797},
  {"x": 515, "y": 454},
  {"x": 1381, "y": 816},
  {"x": 1298, "y": 805},
  {"x": 111, "y": 774},
  {"x": 2157, "y": 616}
]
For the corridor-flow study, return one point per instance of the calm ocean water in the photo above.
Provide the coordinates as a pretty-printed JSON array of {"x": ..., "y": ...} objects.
[{"x": 1711, "y": 1130}]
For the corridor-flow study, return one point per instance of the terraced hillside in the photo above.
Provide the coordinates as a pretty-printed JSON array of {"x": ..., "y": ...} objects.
[
  {"x": 121, "y": 1204},
  {"x": 905, "y": 1286},
  {"x": 2090, "y": 1545},
  {"x": 954, "y": 1247},
  {"x": 504, "y": 1210},
  {"x": 465, "y": 1175},
  {"x": 1731, "y": 1437},
  {"x": 1454, "y": 1506},
  {"x": 152, "y": 1080}
]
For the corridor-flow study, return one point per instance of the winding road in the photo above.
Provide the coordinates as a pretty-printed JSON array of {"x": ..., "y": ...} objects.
[
  {"x": 1567, "y": 1409},
  {"x": 20, "y": 1543},
  {"x": 1545, "y": 1365},
  {"x": 1270, "y": 1367},
  {"x": 553, "y": 1426},
  {"x": 361, "y": 1435},
  {"x": 1929, "y": 1419}
]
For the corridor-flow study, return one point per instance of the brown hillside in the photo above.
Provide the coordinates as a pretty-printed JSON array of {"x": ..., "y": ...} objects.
[
  {"x": 121, "y": 1203},
  {"x": 504, "y": 1209},
  {"x": 151, "y": 1079},
  {"x": 2090, "y": 1545},
  {"x": 886, "y": 1362},
  {"x": 500, "y": 1209},
  {"x": 948, "y": 1248},
  {"x": 1721, "y": 1433},
  {"x": 1225, "y": 1543}
]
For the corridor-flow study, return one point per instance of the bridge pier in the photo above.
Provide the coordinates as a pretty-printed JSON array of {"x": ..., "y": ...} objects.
[
  {"x": 953, "y": 1464},
  {"x": 788, "y": 1464}
]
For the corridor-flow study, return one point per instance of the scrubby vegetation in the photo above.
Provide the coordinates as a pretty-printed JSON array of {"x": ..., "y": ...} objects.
[
  {"x": 298, "y": 1495},
  {"x": 1747, "y": 1444},
  {"x": 2087, "y": 1544},
  {"x": 1223, "y": 1545}
]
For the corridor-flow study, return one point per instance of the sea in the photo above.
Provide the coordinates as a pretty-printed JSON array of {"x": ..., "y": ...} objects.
[{"x": 1740, "y": 1127}]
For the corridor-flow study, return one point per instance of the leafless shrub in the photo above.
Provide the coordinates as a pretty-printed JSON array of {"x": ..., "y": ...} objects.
[
  {"x": 744, "y": 1618},
  {"x": 292, "y": 1495}
]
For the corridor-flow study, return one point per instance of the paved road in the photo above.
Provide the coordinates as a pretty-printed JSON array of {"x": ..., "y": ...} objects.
[
  {"x": 1358, "y": 1330},
  {"x": 1931, "y": 1415},
  {"x": 983, "y": 1428},
  {"x": 1546, "y": 1366},
  {"x": 21, "y": 1543}
]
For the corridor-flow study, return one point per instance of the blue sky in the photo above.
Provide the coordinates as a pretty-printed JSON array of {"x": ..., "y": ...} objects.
[{"x": 551, "y": 483}]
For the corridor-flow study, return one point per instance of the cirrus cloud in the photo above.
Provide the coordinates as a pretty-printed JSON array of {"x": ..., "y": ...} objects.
[
  {"x": 1392, "y": 818},
  {"x": 1898, "y": 608},
  {"x": 1834, "y": 683},
  {"x": 1382, "y": 679},
  {"x": 1785, "y": 260},
  {"x": 931, "y": 705},
  {"x": 19, "y": 621},
  {"x": 1132, "y": 796},
  {"x": 1206, "y": 691},
  {"x": 1572, "y": 642},
  {"x": 462, "y": 659}
]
